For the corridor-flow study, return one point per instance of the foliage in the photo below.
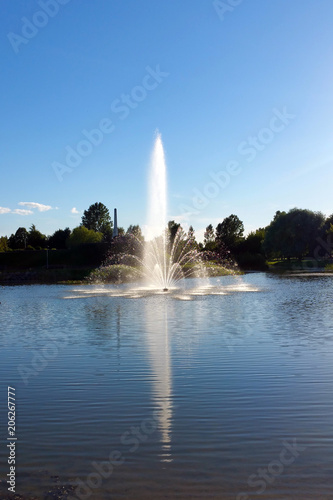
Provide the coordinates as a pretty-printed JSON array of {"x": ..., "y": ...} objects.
[
  {"x": 59, "y": 238},
  {"x": 252, "y": 261},
  {"x": 19, "y": 239},
  {"x": 35, "y": 238},
  {"x": 253, "y": 243},
  {"x": 97, "y": 218},
  {"x": 4, "y": 244},
  {"x": 173, "y": 228},
  {"x": 225, "y": 260},
  {"x": 83, "y": 236},
  {"x": 213, "y": 269},
  {"x": 328, "y": 225},
  {"x": 190, "y": 233},
  {"x": 326, "y": 239},
  {"x": 135, "y": 231},
  {"x": 190, "y": 237},
  {"x": 293, "y": 234},
  {"x": 116, "y": 273},
  {"x": 122, "y": 247},
  {"x": 209, "y": 234},
  {"x": 230, "y": 231}
]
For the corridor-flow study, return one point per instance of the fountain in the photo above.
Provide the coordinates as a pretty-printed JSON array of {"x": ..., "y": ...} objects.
[
  {"x": 164, "y": 258},
  {"x": 167, "y": 258}
]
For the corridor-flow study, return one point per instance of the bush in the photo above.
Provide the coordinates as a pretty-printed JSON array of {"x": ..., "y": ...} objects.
[
  {"x": 116, "y": 273},
  {"x": 83, "y": 236},
  {"x": 252, "y": 262}
]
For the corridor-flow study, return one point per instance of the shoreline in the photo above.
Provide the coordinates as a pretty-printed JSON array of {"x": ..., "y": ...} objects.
[{"x": 17, "y": 278}]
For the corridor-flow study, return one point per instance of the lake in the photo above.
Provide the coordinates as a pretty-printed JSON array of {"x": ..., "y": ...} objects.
[{"x": 217, "y": 392}]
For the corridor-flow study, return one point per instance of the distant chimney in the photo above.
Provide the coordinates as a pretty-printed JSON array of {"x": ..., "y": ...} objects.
[{"x": 115, "y": 224}]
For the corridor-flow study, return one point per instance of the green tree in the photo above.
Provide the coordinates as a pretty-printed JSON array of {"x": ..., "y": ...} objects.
[
  {"x": 173, "y": 228},
  {"x": 328, "y": 225},
  {"x": 135, "y": 231},
  {"x": 209, "y": 235},
  {"x": 294, "y": 234},
  {"x": 19, "y": 239},
  {"x": 97, "y": 218},
  {"x": 190, "y": 238},
  {"x": 209, "y": 239},
  {"x": 83, "y": 236},
  {"x": 123, "y": 247},
  {"x": 325, "y": 240},
  {"x": 59, "y": 238},
  {"x": 253, "y": 243},
  {"x": 190, "y": 233},
  {"x": 230, "y": 232},
  {"x": 36, "y": 238},
  {"x": 4, "y": 244}
]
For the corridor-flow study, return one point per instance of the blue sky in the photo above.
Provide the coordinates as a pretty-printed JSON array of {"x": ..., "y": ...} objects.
[{"x": 242, "y": 96}]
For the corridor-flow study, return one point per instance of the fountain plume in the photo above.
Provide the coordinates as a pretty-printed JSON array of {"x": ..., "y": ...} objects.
[{"x": 164, "y": 260}]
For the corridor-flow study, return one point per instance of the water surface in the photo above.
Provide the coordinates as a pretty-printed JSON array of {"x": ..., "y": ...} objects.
[{"x": 194, "y": 392}]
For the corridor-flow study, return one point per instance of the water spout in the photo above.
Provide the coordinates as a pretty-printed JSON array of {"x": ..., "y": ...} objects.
[{"x": 166, "y": 260}]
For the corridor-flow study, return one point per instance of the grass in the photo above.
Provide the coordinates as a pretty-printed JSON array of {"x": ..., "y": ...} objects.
[
  {"x": 213, "y": 269},
  {"x": 297, "y": 265}
]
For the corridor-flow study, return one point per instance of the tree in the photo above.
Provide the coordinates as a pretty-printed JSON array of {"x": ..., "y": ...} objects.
[
  {"x": 97, "y": 218},
  {"x": 209, "y": 235},
  {"x": 36, "y": 238},
  {"x": 135, "y": 231},
  {"x": 327, "y": 228},
  {"x": 326, "y": 238},
  {"x": 190, "y": 233},
  {"x": 230, "y": 232},
  {"x": 253, "y": 243},
  {"x": 209, "y": 239},
  {"x": 173, "y": 228},
  {"x": 83, "y": 236},
  {"x": 19, "y": 239},
  {"x": 123, "y": 248},
  {"x": 4, "y": 244},
  {"x": 294, "y": 234},
  {"x": 59, "y": 238},
  {"x": 190, "y": 238}
]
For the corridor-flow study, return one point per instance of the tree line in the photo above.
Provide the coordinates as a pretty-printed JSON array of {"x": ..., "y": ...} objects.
[
  {"x": 298, "y": 233},
  {"x": 96, "y": 227}
]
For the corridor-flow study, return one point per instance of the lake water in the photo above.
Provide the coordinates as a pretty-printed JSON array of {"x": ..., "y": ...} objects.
[{"x": 221, "y": 393}]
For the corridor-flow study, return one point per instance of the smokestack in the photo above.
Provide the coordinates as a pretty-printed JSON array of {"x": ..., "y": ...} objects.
[{"x": 115, "y": 224}]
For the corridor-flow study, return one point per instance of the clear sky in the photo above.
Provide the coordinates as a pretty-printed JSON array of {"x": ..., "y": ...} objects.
[{"x": 242, "y": 95}]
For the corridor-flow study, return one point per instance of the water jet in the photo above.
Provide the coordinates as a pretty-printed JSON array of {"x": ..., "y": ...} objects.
[
  {"x": 163, "y": 258},
  {"x": 167, "y": 258}
]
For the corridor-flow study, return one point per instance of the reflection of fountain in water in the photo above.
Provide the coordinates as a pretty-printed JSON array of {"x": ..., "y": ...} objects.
[{"x": 159, "y": 356}]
